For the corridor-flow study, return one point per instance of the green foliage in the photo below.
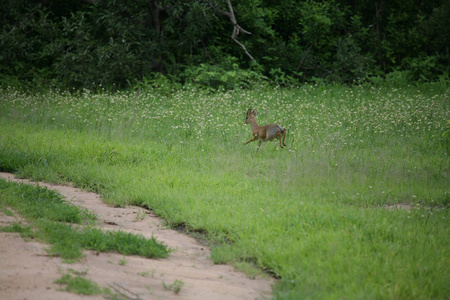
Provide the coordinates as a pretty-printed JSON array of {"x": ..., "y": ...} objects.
[
  {"x": 101, "y": 54},
  {"x": 25, "y": 231},
  {"x": 122, "y": 242},
  {"x": 23, "y": 43},
  {"x": 446, "y": 136},
  {"x": 280, "y": 78},
  {"x": 175, "y": 286},
  {"x": 157, "y": 83},
  {"x": 423, "y": 69},
  {"x": 34, "y": 202},
  {"x": 110, "y": 44},
  {"x": 62, "y": 238},
  {"x": 79, "y": 285},
  {"x": 214, "y": 77}
]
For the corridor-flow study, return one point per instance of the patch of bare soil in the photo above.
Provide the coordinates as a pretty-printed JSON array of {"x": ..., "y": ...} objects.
[
  {"x": 401, "y": 206},
  {"x": 26, "y": 272}
]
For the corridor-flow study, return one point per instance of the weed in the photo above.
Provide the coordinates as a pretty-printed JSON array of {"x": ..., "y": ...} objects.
[
  {"x": 140, "y": 215},
  {"x": 7, "y": 212},
  {"x": 25, "y": 231},
  {"x": 144, "y": 274},
  {"x": 76, "y": 272},
  {"x": 123, "y": 261},
  {"x": 149, "y": 289},
  {"x": 175, "y": 286},
  {"x": 79, "y": 285}
]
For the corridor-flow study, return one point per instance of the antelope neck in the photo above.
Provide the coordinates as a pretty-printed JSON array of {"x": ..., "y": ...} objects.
[{"x": 253, "y": 124}]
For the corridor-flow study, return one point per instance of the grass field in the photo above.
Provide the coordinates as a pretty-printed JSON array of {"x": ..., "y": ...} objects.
[{"x": 313, "y": 214}]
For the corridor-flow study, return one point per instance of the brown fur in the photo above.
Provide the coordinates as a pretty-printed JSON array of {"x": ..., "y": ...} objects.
[{"x": 264, "y": 133}]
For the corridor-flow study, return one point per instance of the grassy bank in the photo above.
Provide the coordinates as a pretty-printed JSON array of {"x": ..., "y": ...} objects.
[
  {"x": 67, "y": 228},
  {"x": 313, "y": 214}
]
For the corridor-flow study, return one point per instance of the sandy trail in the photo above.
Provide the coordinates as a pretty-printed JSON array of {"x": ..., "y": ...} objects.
[{"x": 26, "y": 272}]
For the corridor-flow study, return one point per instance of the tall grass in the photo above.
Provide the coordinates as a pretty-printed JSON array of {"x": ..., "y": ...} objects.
[{"x": 313, "y": 214}]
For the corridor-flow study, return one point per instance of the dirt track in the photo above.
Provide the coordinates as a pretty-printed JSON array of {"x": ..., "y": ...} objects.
[{"x": 26, "y": 272}]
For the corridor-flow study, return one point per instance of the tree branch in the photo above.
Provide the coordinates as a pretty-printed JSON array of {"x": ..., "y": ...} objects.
[
  {"x": 304, "y": 57},
  {"x": 236, "y": 28}
]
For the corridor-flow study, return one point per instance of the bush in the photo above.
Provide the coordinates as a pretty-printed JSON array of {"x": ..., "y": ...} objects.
[{"x": 215, "y": 77}]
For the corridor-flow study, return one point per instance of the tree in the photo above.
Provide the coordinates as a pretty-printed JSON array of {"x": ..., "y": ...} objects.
[{"x": 84, "y": 43}]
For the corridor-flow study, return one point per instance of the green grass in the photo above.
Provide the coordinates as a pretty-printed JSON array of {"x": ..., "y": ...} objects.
[
  {"x": 79, "y": 285},
  {"x": 175, "y": 286},
  {"x": 52, "y": 220},
  {"x": 34, "y": 203},
  {"x": 313, "y": 214}
]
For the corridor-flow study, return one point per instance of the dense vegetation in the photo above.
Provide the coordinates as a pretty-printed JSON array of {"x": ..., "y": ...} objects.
[
  {"x": 320, "y": 214},
  {"x": 74, "y": 43}
]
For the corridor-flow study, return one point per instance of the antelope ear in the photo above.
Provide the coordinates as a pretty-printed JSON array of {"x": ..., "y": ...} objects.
[{"x": 255, "y": 112}]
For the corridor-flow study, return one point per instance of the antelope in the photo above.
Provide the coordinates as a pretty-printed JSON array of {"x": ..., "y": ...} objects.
[{"x": 264, "y": 133}]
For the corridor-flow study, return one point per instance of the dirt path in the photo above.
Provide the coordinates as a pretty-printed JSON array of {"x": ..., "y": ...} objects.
[{"x": 27, "y": 273}]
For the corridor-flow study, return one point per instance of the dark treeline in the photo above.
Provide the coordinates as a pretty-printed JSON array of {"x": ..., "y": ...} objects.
[{"x": 117, "y": 43}]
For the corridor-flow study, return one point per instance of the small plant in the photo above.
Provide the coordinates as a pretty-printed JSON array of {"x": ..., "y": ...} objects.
[
  {"x": 140, "y": 215},
  {"x": 25, "y": 231},
  {"x": 123, "y": 261},
  {"x": 79, "y": 273},
  {"x": 7, "y": 212},
  {"x": 146, "y": 273},
  {"x": 149, "y": 289},
  {"x": 143, "y": 274},
  {"x": 175, "y": 286},
  {"x": 79, "y": 285}
]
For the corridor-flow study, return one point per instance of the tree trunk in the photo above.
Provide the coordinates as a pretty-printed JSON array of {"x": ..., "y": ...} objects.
[{"x": 378, "y": 10}]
